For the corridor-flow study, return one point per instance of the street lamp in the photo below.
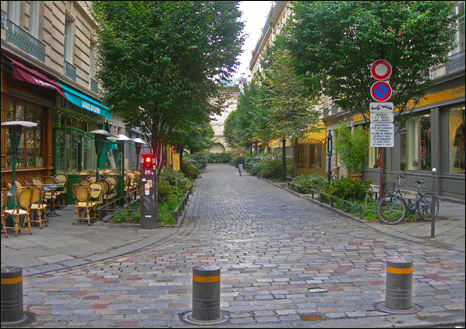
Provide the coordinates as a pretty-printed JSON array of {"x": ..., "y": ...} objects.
[
  {"x": 329, "y": 153},
  {"x": 120, "y": 140},
  {"x": 138, "y": 143},
  {"x": 100, "y": 136},
  {"x": 15, "y": 129}
]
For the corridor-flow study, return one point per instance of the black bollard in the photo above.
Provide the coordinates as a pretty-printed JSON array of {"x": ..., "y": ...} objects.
[
  {"x": 206, "y": 293},
  {"x": 206, "y": 297}
]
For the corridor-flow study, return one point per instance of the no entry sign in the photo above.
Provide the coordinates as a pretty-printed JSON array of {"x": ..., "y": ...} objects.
[
  {"x": 381, "y": 91},
  {"x": 381, "y": 69}
]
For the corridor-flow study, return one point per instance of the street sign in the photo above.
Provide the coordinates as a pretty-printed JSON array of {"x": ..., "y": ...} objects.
[
  {"x": 381, "y": 69},
  {"x": 382, "y": 134},
  {"x": 381, "y": 107},
  {"x": 382, "y": 117},
  {"x": 381, "y": 91}
]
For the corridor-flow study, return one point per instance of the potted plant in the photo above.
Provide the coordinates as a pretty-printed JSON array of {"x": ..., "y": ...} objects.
[{"x": 352, "y": 148}]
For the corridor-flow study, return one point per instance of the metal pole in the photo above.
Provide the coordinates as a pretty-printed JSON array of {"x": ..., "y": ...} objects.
[
  {"x": 432, "y": 208},
  {"x": 329, "y": 154}
]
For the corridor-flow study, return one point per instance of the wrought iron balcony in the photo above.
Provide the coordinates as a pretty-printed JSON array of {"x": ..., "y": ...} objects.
[
  {"x": 70, "y": 71},
  {"x": 24, "y": 41},
  {"x": 455, "y": 62}
]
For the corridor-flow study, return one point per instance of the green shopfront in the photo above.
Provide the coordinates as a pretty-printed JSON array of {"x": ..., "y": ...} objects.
[{"x": 74, "y": 147}]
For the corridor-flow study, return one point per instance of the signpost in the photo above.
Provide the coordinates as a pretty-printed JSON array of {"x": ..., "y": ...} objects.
[{"x": 382, "y": 128}]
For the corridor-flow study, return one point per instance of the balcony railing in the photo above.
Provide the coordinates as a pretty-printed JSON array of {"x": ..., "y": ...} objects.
[
  {"x": 455, "y": 62},
  {"x": 24, "y": 41},
  {"x": 94, "y": 86},
  {"x": 70, "y": 71}
]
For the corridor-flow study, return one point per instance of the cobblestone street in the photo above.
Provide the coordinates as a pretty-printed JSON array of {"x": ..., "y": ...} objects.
[{"x": 272, "y": 248}]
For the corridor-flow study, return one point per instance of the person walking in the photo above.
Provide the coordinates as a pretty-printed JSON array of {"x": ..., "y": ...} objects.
[{"x": 240, "y": 164}]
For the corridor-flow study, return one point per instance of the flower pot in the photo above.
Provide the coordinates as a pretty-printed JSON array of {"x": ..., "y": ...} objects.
[{"x": 357, "y": 176}]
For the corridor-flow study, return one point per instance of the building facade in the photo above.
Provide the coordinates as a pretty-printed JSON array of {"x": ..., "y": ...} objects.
[{"x": 48, "y": 68}]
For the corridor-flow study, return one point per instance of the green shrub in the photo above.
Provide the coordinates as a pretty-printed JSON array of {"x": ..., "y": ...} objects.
[
  {"x": 173, "y": 178},
  {"x": 311, "y": 182},
  {"x": 165, "y": 191},
  {"x": 199, "y": 159},
  {"x": 350, "y": 189},
  {"x": 271, "y": 169},
  {"x": 132, "y": 214},
  {"x": 223, "y": 157},
  {"x": 189, "y": 169}
]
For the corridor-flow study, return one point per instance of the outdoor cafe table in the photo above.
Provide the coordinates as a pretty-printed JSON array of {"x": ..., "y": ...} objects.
[{"x": 52, "y": 188}]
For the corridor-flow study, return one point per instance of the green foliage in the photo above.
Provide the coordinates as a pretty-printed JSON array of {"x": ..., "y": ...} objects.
[
  {"x": 350, "y": 189},
  {"x": 264, "y": 165},
  {"x": 160, "y": 62},
  {"x": 132, "y": 214},
  {"x": 199, "y": 159},
  {"x": 189, "y": 169},
  {"x": 171, "y": 178},
  {"x": 352, "y": 147},
  {"x": 222, "y": 157},
  {"x": 310, "y": 182},
  {"x": 334, "y": 43}
]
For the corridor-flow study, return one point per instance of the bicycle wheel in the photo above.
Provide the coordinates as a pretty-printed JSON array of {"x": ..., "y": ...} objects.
[
  {"x": 391, "y": 210},
  {"x": 425, "y": 205}
]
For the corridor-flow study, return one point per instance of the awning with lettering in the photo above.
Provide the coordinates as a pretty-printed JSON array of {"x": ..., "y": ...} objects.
[
  {"x": 24, "y": 73},
  {"x": 85, "y": 102}
]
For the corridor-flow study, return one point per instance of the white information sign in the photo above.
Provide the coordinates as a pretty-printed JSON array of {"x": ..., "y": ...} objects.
[
  {"x": 381, "y": 107},
  {"x": 382, "y": 134},
  {"x": 381, "y": 117}
]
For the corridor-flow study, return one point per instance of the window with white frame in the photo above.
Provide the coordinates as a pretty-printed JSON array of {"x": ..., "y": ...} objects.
[
  {"x": 34, "y": 18},
  {"x": 13, "y": 11},
  {"x": 69, "y": 32}
]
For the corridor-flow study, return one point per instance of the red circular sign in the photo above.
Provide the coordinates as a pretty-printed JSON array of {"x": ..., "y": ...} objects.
[
  {"x": 381, "y": 69},
  {"x": 381, "y": 91}
]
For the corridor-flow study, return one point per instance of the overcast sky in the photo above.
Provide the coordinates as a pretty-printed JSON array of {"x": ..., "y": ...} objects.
[{"x": 254, "y": 16}]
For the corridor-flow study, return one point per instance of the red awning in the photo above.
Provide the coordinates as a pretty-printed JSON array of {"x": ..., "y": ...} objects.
[{"x": 24, "y": 73}]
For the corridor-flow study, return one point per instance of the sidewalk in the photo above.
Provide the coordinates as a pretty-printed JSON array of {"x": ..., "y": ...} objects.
[
  {"x": 62, "y": 245},
  {"x": 449, "y": 229}
]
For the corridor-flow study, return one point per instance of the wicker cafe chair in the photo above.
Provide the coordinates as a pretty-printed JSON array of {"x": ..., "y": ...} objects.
[
  {"x": 97, "y": 197},
  {"x": 4, "y": 198},
  {"x": 23, "y": 199},
  {"x": 62, "y": 180},
  {"x": 38, "y": 207},
  {"x": 112, "y": 192},
  {"x": 83, "y": 202}
]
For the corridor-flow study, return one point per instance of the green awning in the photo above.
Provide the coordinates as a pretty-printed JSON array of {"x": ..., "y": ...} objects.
[{"x": 85, "y": 102}]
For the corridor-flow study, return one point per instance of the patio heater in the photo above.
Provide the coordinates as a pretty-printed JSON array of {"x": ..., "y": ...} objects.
[
  {"x": 138, "y": 142},
  {"x": 100, "y": 136},
  {"x": 15, "y": 129},
  {"x": 329, "y": 153},
  {"x": 120, "y": 140}
]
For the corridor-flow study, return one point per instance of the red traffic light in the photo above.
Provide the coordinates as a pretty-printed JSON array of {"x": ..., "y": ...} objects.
[{"x": 147, "y": 161}]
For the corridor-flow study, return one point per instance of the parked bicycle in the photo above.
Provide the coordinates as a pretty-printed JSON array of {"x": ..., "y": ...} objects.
[{"x": 392, "y": 208}]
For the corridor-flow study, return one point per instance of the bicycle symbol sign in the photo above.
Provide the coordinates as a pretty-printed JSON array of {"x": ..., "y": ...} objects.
[{"x": 381, "y": 91}]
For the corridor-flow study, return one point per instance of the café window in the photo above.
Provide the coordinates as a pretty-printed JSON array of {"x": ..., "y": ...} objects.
[
  {"x": 456, "y": 140},
  {"x": 415, "y": 143},
  {"x": 310, "y": 155},
  {"x": 29, "y": 154}
]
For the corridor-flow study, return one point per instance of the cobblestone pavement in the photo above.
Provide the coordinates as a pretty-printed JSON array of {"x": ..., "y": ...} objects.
[{"x": 272, "y": 249}]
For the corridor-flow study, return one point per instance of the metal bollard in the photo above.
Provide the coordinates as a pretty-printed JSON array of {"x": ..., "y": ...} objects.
[
  {"x": 12, "y": 298},
  {"x": 206, "y": 297},
  {"x": 399, "y": 284},
  {"x": 206, "y": 293}
]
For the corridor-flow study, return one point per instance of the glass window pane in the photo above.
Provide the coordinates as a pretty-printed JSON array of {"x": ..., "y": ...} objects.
[
  {"x": 38, "y": 153},
  {"x": 456, "y": 140},
  {"x": 30, "y": 137}
]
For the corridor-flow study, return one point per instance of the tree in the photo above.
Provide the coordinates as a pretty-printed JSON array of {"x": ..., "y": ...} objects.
[
  {"x": 161, "y": 62},
  {"x": 352, "y": 147},
  {"x": 334, "y": 43},
  {"x": 289, "y": 113}
]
